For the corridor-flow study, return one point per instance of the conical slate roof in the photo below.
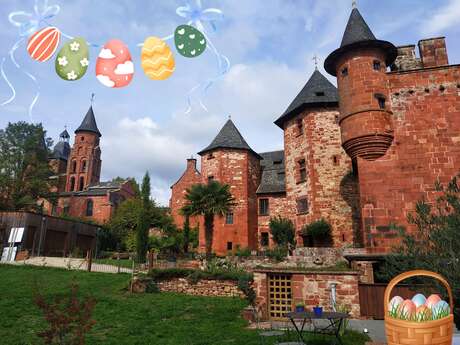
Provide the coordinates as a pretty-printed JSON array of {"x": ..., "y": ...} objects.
[
  {"x": 89, "y": 123},
  {"x": 318, "y": 91},
  {"x": 357, "y": 29},
  {"x": 358, "y": 35},
  {"x": 64, "y": 134},
  {"x": 229, "y": 137},
  {"x": 61, "y": 150}
]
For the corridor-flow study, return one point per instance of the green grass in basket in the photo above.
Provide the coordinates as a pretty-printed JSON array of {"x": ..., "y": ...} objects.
[{"x": 400, "y": 314}]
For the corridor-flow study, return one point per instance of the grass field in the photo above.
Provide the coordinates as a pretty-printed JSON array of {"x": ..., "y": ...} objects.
[
  {"x": 114, "y": 262},
  {"x": 122, "y": 318}
]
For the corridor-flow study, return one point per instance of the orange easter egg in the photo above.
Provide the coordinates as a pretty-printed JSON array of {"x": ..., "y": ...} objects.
[
  {"x": 408, "y": 308},
  {"x": 43, "y": 44},
  {"x": 114, "y": 66},
  {"x": 423, "y": 313},
  {"x": 432, "y": 300}
]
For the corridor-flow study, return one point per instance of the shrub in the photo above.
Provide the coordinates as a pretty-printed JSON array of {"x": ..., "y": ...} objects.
[
  {"x": 318, "y": 229},
  {"x": 69, "y": 318},
  {"x": 278, "y": 253},
  {"x": 244, "y": 284},
  {"x": 282, "y": 230},
  {"x": 243, "y": 252}
]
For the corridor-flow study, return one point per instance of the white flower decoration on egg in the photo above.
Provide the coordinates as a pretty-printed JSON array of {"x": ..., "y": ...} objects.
[
  {"x": 74, "y": 46},
  {"x": 63, "y": 61},
  {"x": 71, "y": 75},
  {"x": 84, "y": 62}
]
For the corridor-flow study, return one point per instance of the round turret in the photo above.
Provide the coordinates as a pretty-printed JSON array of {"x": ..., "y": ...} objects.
[{"x": 360, "y": 66}]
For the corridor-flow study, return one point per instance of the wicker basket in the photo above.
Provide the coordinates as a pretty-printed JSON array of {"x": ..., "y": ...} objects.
[{"x": 401, "y": 332}]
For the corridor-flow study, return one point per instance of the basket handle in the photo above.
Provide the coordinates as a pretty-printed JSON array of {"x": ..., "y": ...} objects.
[{"x": 415, "y": 273}]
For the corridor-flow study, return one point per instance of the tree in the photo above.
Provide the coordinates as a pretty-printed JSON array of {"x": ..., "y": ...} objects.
[
  {"x": 208, "y": 200},
  {"x": 282, "y": 230},
  {"x": 435, "y": 245},
  {"x": 24, "y": 168},
  {"x": 144, "y": 223}
]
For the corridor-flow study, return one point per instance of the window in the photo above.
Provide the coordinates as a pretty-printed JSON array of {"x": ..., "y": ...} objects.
[
  {"x": 381, "y": 100},
  {"x": 210, "y": 178},
  {"x": 302, "y": 170},
  {"x": 81, "y": 183},
  {"x": 72, "y": 184},
  {"x": 377, "y": 65},
  {"x": 335, "y": 160},
  {"x": 302, "y": 205},
  {"x": 319, "y": 93},
  {"x": 210, "y": 156},
  {"x": 89, "y": 208},
  {"x": 278, "y": 162},
  {"x": 229, "y": 246},
  {"x": 263, "y": 207},
  {"x": 83, "y": 166},
  {"x": 229, "y": 218},
  {"x": 82, "y": 139},
  {"x": 74, "y": 166},
  {"x": 299, "y": 125},
  {"x": 344, "y": 71},
  {"x": 264, "y": 241}
]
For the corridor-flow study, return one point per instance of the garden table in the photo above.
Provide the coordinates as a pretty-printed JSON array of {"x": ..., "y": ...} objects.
[{"x": 335, "y": 323}]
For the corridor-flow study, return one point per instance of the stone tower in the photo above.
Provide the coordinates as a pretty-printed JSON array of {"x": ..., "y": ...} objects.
[
  {"x": 84, "y": 164},
  {"x": 230, "y": 160},
  {"x": 360, "y": 65},
  {"x": 59, "y": 158}
]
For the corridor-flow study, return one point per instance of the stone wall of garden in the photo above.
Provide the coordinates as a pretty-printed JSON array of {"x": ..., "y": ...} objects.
[
  {"x": 312, "y": 289},
  {"x": 204, "y": 287}
]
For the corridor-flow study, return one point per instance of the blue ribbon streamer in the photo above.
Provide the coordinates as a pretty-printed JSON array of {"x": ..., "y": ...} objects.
[
  {"x": 27, "y": 23},
  {"x": 195, "y": 14}
]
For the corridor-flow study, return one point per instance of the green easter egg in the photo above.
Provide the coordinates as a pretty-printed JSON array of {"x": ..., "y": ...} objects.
[
  {"x": 189, "y": 41},
  {"x": 73, "y": 59}
]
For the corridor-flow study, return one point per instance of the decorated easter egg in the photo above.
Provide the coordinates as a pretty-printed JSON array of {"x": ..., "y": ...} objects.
[
  {"x": 407, "y": 308},
  {"x": 114, "y": 66},
  {"x": 157, "y": 59},
  {"x": 423, "y": 313},
  {"x": 395, "y": 303},
  {"x": 419, "y": 299},
  {"x": 189, "y": 41},
  {"x": 73, "y": 59},
  {"x": 432, "y": 300},
  {"x": 440, "y": 309},
  {"x": 43, "y": 44}
]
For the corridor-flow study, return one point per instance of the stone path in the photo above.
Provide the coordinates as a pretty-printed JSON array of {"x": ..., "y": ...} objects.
[{"x": 70, "y": 263}]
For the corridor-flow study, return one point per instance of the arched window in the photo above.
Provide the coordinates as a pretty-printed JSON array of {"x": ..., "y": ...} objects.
[
  {"x": 81, "y": 183},
  {"x": 89, "y": 208},
  {"x": 83, "y": 166},
  {"x": 74, "y": 166},
  {"x": 72, "y": 184}
]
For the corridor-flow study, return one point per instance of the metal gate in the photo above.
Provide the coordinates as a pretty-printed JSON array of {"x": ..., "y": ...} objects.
[{"x": 280, "y": 295}]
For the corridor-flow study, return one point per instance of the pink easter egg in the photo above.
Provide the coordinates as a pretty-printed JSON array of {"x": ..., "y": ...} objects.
[
  {"x": 43, "y": 44},
  {"x": 114, "y": 66},
  {"x": 408, "y": 308},
  {"x": 432, "y": 300}
]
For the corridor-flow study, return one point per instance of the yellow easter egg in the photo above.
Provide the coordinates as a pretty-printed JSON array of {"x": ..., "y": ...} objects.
[{"x": 157, "y": 59}]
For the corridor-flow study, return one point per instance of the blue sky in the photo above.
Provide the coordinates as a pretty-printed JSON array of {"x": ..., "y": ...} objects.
[{"x": 270, "y": 44}]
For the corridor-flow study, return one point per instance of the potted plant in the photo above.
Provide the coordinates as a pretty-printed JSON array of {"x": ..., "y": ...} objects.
[
  {"x": 318, "y": 311},
  {"x": 299, "y": 307}
]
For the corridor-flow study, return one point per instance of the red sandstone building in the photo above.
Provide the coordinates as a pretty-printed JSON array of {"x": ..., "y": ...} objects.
[
  {"x": 360, "y": 155},
  {"x": 77, "y": 171}
]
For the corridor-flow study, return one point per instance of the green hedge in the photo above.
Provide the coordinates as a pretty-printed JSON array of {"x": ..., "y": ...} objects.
[{"x": 196, "y": 275}]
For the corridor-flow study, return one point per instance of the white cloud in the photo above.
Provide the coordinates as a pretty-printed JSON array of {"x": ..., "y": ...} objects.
[
  {"x": 125, "y": 68},
  {"x": 105, "y": 80},
  {"x": 106, "y": 53},
  {"x": 444, "y": 18}
]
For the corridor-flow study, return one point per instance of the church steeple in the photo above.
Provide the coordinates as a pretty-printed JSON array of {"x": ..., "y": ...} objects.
[{"x": 89, "y": 123}]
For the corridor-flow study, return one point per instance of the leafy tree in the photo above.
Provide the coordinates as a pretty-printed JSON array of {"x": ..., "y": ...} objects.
[
  {"x": 144, "y": 223},
  {"x": 126, "y": 218},
  {"x": 24, "y": 168},
  {"x": 282, "y": 230},
  {"x": 208, "y": 200},
  {"x": 186, "y": 233},
  {"x": 435, "y": 245}
]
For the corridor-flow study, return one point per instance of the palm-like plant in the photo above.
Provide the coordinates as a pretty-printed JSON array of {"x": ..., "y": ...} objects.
[{"x": 208, "y": 200}]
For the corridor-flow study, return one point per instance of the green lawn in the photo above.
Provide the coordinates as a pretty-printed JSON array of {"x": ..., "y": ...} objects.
[
  {"x": 122, "y": 318},
  {"x": 114, "y": 262}
]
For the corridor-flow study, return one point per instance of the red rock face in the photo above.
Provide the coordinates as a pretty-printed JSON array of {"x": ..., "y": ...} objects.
[
  {"x": 190, "y": 177},
  {"x": 84, "y": 164}
]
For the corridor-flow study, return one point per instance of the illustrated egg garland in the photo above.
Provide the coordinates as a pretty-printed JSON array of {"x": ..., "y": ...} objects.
[
  {"x": 114, "y": 66},
  {"x": 189, "y": 41},
  {"x": 43, "y": 44},
  {"x": 157, "y": 59},
  {"x": 73, "y": 59}
]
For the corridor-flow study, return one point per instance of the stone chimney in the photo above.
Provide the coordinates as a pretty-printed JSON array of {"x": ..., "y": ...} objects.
[
  {"x": 191, "y": 163},
  {"x": 406, "y": 59},
  {"x": 433, "y": 52}
]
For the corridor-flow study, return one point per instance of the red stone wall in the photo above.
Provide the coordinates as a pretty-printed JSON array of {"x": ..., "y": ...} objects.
[
  {"x": 241, "y": 170},
  {"x": 426, "y": 119},
  {"x": 190, "y": 177},
  {"x": 276, "y": 207},
  {"x": 313, "y": 289},
  {"x": 327, "y": 185},
  {"x": 85, "y": 148}
]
